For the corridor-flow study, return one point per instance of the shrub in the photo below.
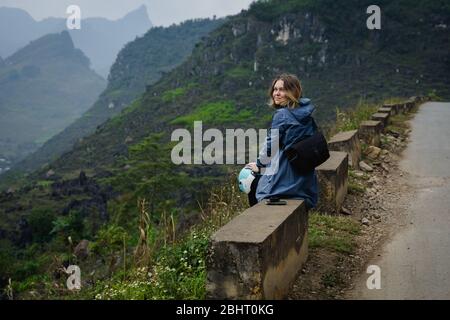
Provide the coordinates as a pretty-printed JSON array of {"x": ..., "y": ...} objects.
[
  {"x": 41, "y": 224},
  {"x": 214, "y": 113},
  {"x": 351, "y": 120},
  {"x": 332, "y": 232},
  {"x": 70, "y": 225}
]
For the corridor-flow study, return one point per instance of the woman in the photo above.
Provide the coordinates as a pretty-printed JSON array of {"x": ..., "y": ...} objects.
[{"x": 293, "y": 122}]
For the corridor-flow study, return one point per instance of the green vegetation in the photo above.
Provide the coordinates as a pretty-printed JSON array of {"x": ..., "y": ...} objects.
[
  {"x": 268, "y": 10},
  {"x": 351, "y": 120},
  {"x": 215, "y": 113},
  {"x": 44, "y": 183},
  {"x": 150, "y": 174},
  {"x": 173, "y": 95},
  {"x": 177, "y": 272},
  {"x": 434, "y": 96},
  {"x": 37, "y": 101},
  {"x": 333, "y": 278},
  {"x": 398, "y": 123},
  {"x": 174, "y": 264},
  {"x": 139, "y": 64},
  {"x": 69, "y": 226},
  {"x": 355, "y": 188},
  {"x": 41, "y": 223},
  {"x": 352, "y": 175},
  {"x": 127, "y": 159},
  {"x": 332, "y": 232},
  {"x": 240, "y": 73},
  {"x": 356, "y": 183}
]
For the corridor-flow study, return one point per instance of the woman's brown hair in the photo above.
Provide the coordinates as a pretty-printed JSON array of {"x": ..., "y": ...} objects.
[{"x": 293, "y": 89}]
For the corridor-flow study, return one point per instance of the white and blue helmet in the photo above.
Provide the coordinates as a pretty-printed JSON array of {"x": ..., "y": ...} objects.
[{"x": 246, "y": 177}]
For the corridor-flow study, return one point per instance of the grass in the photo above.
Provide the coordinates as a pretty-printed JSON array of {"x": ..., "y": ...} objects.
[
  {"x": 178, "y": 272},
  {"x": 175, "y": 269},
  {"x": 171, "y": 95},
  {"x": 399, "y": 122},
  {"x": 351, "y": 120},
  {"x": 119, "y": 118},
  {"x": 355, "y": 188},
  {"x": 214, "y": 113},
  {"x": 363, "y": 111},
  {"x": 352, "y": 174},
  {"x": 354, "y": 182},
  {"x": 434, "y": 97},
  {"x": 174, "y": 94},
  {"x": 240, "y": 72},
  {"x": 332, "y": 278},
  {"x": 394, "y": 100},
  {"x": 44, "y": 183},
  {"x": 332, "y": 232}
]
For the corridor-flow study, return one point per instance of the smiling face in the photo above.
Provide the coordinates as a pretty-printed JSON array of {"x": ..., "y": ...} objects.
[
  {"x": 285, "y": 91},
  {"x": 279, "y": 93}
]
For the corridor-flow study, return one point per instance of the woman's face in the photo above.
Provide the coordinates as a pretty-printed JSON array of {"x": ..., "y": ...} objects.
[{"x": 279, "y": 94}]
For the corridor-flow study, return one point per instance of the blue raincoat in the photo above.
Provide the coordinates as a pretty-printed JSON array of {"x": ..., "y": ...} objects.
[{"x": 278, "y": 178}]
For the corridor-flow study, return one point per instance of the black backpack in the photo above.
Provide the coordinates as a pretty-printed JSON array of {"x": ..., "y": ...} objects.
[{"x": 309, "y": 153}]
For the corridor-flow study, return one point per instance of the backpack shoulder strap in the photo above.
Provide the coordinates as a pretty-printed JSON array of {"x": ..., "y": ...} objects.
[
  {"x": 316, "y": 128},
  {"x": 312, "y": 118}
]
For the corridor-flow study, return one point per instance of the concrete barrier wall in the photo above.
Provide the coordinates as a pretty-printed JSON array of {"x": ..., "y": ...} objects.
[
  {"x": 382, "y": 117},
  {"x": 333, "y": 182},
  {"x": 389, "y": 110},
  {"x": 259, "y": 253},
  {"x": 347, "y": 141},
  {"x": 395, "y": 107},
  {"x": 370, "y": 132}
]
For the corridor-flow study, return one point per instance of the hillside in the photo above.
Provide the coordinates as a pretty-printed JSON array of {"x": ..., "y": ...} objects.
[
  {"x": 338, "y": 59},
  {"x": 138, "y": 65},
  {"x": 223, "y": 83},
  {"x": 43, "y": 88},
  {"x": 99, "y": 38}
]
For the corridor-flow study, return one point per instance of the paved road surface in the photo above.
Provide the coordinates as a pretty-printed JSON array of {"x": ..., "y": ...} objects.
[{"x": 415, "y": 263}]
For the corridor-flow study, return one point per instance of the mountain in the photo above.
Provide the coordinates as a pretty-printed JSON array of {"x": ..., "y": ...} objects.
[
  {"x": 138, "y": 65},
  {"x": 24, "y": 27},
  {"x": 43, "y": 87},
  {"x": 100, "y": 39},
  {"x": 338, "y": 59},
  {"x": 97, "y": 184}
]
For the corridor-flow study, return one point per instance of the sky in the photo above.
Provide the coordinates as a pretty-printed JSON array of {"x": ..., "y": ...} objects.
[{"x": 161, "y": 12}]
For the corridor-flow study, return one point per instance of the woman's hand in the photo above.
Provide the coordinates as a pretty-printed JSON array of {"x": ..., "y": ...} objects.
[{"x": 252, "y": 166}]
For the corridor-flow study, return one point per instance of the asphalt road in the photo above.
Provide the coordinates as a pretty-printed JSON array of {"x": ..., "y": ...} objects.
[{"x": 415, "y": 262}]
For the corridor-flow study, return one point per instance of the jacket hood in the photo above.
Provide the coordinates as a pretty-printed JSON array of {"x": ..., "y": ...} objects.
[{"x": 305, "y": 108}]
